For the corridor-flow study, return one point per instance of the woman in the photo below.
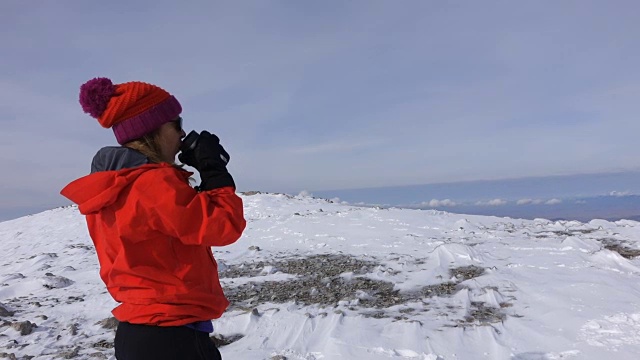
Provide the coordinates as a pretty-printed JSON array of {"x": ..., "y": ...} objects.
[{"x": 152, "y": 231}]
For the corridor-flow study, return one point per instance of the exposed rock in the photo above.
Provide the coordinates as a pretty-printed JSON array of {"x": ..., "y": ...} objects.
[
  {"x": 341, "y": 280},
  {"x": 480, "y": 314},
  {"x": 73, "y": 329},
  {"x": 5, "y": 312},
  {"x": 325, "y": 280},
  {"x": 72, "y": 299},
  {"x": 108, "y": 323},
  {"x": 326, "y": 264},
  {"x": 222, "y": 340},
  {"x": 49, "y": 255},
  {"x": 51, "y": 281},
  {"x": 466, "y": 272},
  {"x": 80, "y": 246},
  {"x": 103, "y": 344},
  {"x": 24, "y": 327},
  {"x": 70, "y": 354},
  {"x": 443, "y": 289},
  {"x": 621, "y": 248}
]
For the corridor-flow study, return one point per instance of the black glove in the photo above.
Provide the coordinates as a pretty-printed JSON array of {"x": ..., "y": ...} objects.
[{"x": 210, "y": 159}]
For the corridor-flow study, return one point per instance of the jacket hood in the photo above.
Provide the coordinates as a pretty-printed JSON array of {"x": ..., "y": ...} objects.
[
  {"x": 113, "y": 169},
  {"x": 100, "y": 189}
]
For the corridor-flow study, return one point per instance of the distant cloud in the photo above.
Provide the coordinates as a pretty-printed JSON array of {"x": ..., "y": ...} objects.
[
  {"x": 581, "y": 202},
  {"x": 439, "y": 203},
  {"x": 620, "y": 193},
  {"x": 494, "y": 202},
  {"x": 553, "y": 202},
  {"x": 529, "y": 202}
]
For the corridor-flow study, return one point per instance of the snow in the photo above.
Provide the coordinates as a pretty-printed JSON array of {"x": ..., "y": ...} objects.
[{"x": 417, "y": 285}]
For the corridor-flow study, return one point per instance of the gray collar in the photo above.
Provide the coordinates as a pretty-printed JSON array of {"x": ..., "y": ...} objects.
[{"x": 117, "y": 158}]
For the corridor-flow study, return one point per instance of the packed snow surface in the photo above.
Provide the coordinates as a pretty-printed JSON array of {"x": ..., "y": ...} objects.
[{"x": 312, "y": 279}]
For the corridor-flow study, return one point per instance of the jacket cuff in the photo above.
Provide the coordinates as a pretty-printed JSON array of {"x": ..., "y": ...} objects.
[{"x": 216, "y": 182}]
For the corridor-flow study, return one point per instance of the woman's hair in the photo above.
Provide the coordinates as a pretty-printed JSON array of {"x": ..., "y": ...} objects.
[{"x": 149, "y": 146}]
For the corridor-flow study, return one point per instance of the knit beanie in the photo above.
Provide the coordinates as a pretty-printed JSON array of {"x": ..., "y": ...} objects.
[{"x": 132, "y": 109}]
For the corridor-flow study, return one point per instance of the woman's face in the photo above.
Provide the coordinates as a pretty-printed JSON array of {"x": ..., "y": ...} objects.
[{"x": 169, "y": 138}]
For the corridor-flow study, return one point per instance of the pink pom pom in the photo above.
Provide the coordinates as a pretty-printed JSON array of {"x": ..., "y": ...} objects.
[{"x": 95, "y": 95}]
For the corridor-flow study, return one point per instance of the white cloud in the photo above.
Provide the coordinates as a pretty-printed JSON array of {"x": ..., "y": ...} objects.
[
  {"x": 620, "y": 193},
  {"x": 529, "y": 202},
  {"x": 438, "y": 203},
  {"x": 494, "y": 202},
  {"x": 553, "y": 202}
]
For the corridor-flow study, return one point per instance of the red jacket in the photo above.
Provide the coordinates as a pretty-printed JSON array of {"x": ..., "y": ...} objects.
[{"x": 153, "y": 235}]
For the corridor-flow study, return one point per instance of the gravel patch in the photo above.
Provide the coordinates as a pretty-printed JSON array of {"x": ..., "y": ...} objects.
[
  {"x": 620, "y": 247},
  {"x": 341, "y": 280}
]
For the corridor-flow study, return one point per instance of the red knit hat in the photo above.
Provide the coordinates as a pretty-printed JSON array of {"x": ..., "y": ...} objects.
[{"x": 132, "y": 109}]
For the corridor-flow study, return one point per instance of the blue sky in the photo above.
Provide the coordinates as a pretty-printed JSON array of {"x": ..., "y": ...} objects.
[{"x": 333, "y": 94}]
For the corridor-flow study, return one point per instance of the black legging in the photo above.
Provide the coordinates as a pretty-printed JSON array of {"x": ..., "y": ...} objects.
[{"x": 142, "y": 342}]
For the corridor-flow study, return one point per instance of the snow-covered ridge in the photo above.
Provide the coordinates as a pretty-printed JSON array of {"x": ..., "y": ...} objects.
[{"x": 312, "y": 279}]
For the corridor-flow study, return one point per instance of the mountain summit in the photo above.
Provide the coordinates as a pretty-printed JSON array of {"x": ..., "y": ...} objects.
[{"x": 312, "y": 279}]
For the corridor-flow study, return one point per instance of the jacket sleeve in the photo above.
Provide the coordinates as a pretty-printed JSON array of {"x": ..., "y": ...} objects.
[{"x": 211, "y": 218}]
